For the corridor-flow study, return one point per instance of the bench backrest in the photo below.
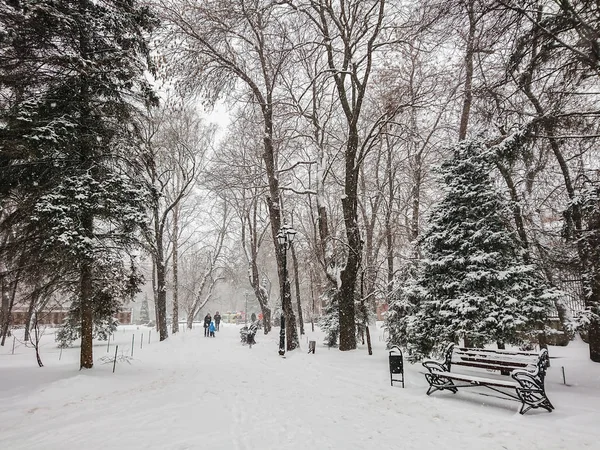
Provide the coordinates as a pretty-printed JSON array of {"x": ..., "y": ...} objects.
[{"x": 504, "y": 361}]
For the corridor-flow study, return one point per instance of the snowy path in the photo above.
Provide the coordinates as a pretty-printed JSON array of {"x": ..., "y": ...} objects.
[{"x": 193, "y": 392}]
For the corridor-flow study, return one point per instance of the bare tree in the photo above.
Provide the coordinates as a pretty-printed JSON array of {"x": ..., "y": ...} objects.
[
  {"x": 236, "y": 170},
  {"x": 220, "y": 44},
  {"x": 203, "y": 269},
  {"x": 350, "y": 36},
  {"x": 175, "y": 143}
]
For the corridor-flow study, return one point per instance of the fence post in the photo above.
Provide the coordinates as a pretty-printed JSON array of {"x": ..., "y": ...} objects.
[
  {"x": 60, "y": 354},
  {"x": 142, "y": 341},
  {"x": 132, "y": 342},
  {"x": 14, "y": 339},
  {"x": 108, "y": 344},
  {"x": 115, "y": 360},
  {"x": 150, "y": 331}
]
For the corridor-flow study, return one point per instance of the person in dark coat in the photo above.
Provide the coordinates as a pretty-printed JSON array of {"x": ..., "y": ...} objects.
[
  {"x": 217, "y": 320},
  {"x": 207, "y": 321}
]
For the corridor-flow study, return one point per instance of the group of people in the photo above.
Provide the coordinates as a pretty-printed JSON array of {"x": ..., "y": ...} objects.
[{"x": 211, "y": 326}]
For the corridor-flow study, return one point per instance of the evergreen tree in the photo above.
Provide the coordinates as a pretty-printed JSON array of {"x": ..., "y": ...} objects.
[
  {"x": 144, "y": 311},
  {"x": 74, "y": 76},
  {"x": 329, "y": 322},
  {"x": 474, "y": 281}
]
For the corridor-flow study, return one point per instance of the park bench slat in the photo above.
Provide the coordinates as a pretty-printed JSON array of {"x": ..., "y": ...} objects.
[{"x": 480, "y": 380}]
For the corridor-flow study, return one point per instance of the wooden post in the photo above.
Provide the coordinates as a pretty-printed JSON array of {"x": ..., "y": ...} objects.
[
  {"x": 60, "y": 354},
  {"x": 563, "y": 374},
  {"x": 132, "y": 342},
  {"x": 150, "y": 331},
  {"x": 108, "y": 344},
  {"x": 142, "y": 341},
  {"x": 13, "y": 349},
  {"x": 115, "y": 360}
]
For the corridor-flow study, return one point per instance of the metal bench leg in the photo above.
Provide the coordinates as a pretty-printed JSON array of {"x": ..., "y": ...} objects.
[
  {"x": 437, "y": 383},
  {"x": 532, "y": 393}
]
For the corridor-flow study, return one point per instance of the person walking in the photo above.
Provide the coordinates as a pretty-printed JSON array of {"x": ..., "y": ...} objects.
[
  {"x": 217, "y": 320},
  {"x": 211, "y": 329},
  {"x": 207, "y": 321}
]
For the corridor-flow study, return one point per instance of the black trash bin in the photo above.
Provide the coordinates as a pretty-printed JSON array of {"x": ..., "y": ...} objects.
[{"x": 396, "y": 365}]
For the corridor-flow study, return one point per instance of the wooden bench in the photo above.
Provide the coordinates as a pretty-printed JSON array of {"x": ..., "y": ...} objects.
[{"x": 527, "y": 370}]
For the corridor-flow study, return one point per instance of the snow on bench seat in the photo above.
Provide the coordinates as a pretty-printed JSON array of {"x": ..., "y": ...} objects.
[{"x": 479, "y": 380}]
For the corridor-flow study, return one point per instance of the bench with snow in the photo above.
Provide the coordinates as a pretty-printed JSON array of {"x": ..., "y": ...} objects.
[{"x": 527, "y": 370}]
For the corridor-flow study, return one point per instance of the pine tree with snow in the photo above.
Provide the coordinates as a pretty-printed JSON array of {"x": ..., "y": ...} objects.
[
  {"x": 144, "y": 311},
  {"x": 74, "y": 77},
  {"x": 474, "y": 282},
  {"x": 329, "y": 321}
]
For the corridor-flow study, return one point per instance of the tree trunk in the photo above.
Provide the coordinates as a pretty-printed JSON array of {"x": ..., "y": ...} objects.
[
  {"x": 594, "y": 340},
  {"x": 349, "y": 273},
  {"x": 175, "y": 327},
  {"x": 30, "y": 314},
  {"x": 5, "y": 323},
  {"x": 297, "y": 286},
  {"x": 369, "y": 346},
  {"x": 468, "y": 93},
  {"x": 5, "y": 298},
  {"x": 291, "y": 333},
  {"x": 161, "y": 282},
  {"x": 261, "y": 296},
  {"x": 36, "y": 343},
  {"x": 161, "y": 305},
  {"x": 87, "y": 316},
  {"x": 155, "y": 293},
  {"x": 274, "y": 207},
  {"x": 389, "y": 236}
]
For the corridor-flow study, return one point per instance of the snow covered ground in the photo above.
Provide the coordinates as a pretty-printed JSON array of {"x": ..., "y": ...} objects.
[{"x": 192, "y": 392}]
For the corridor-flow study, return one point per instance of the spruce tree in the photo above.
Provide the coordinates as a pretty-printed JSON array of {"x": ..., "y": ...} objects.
[
  {"x": 144, "y": 311},
  {"x": 329, "y": 322},
  {"x": 473, "y": 282},
  {"x": 74, "y": 76}
]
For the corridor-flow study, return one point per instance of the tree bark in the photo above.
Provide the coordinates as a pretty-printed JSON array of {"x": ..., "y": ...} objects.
[
  {"x": 87, "y": 305},
  {"x": 468, "y": 93},
  {"x": 30, "y": 314},
  {"x": 7, "y": 313},
  {"x": 5, "y": 298},
  {"x": 297, "y": 286},
  {"x": 161, "y": 282},
  {"x": 175, "y": 324}
]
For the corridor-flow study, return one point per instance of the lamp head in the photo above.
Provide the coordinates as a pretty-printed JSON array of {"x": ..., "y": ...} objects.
[
  {"x": 281, "y": 237},
  {"x": 291, "y": 233}
]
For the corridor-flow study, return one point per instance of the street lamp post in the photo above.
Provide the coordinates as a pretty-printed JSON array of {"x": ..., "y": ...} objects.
[{"x": 285, "y": 237}]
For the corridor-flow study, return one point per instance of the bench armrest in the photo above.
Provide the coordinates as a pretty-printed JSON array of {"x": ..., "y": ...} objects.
[{"x": 434, "y": 366}]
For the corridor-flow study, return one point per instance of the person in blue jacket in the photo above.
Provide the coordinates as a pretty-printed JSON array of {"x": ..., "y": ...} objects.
[{"x": 211, "y": 329}]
